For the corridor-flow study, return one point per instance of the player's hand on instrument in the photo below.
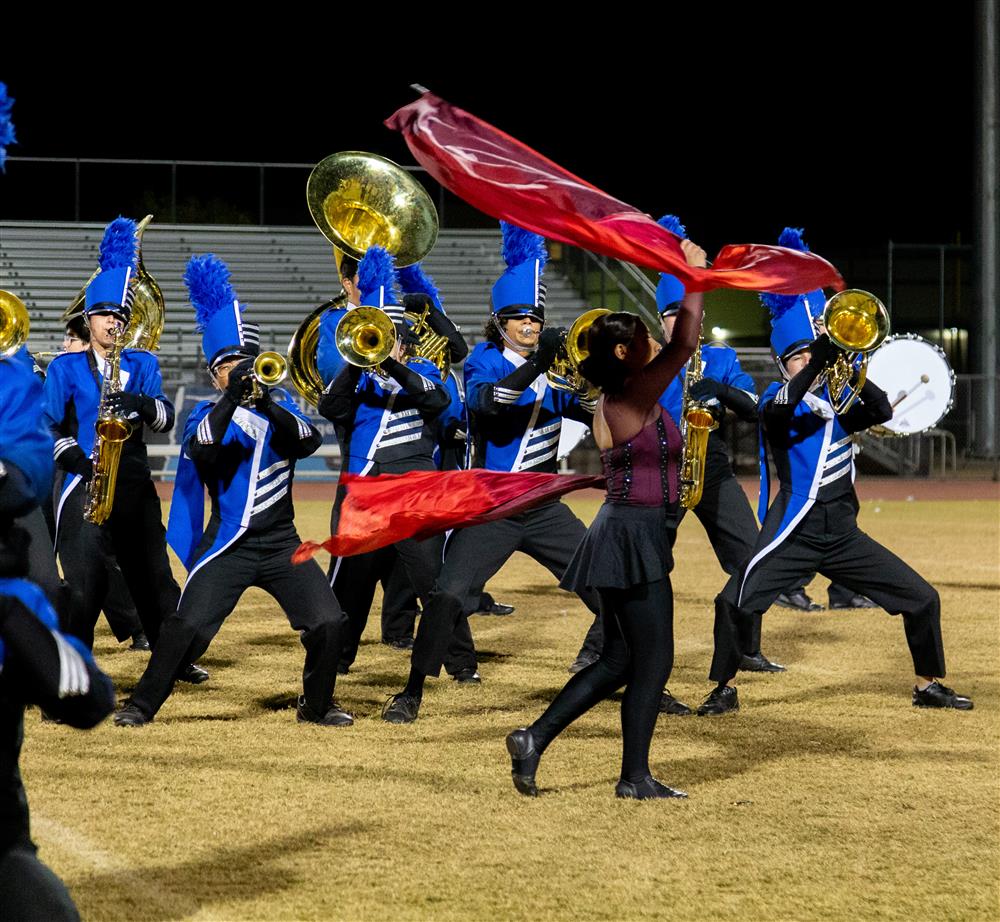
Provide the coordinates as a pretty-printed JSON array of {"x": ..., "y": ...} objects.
[
  {"x": 549, "y": 341},
  {"x": 240, "y": 380},
  {"x": 707, "y": 389},
  {"x": 822, "y": 351},
  {"x": 694, "y": 254},
  {"x": 84, "y": 467},
  {"x": 124, "y": 404}
]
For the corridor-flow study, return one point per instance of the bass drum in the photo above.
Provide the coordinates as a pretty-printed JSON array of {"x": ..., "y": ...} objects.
[{"x": 918, "y": 380}]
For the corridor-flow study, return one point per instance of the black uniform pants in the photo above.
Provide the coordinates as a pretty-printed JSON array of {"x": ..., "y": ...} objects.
[
  {"x": 210, "y": 595},
  {"x": 354, "y": 579},
  {"x": 549, "y": 535},
  {"x": 828, "y": 541},
  {"x": 30, "y": 892},
  {"x": 135, "y": 537}
]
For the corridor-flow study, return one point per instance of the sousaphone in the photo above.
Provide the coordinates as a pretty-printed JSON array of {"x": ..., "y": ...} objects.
[{"x": 359, "y": 200}]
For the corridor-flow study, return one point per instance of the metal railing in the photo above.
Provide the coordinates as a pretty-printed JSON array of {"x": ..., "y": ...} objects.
[{"x": 606, "y": 282}]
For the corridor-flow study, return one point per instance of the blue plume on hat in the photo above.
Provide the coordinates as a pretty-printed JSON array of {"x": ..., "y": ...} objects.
[
  {"x": 790, "y": 237},
  {"x": 673, "y": 224},
  {"x": 207, "y": 281},
  {"x": 414, "y": 281},
  {"x": 377, "y": 270},
  {"x": 6, "y": 125},
  {"x": 118, "y": 249},
  {"x": 520, "y": 245}
]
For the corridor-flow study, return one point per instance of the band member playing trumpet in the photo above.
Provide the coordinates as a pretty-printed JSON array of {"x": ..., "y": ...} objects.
[
  {"x": 516, "y": 419},
  {"x": 812, "y": 523},
  {"x": 242, "y": 448},
  {"x": 384, "y": 412},
  {"x": 133, "y": 533}
]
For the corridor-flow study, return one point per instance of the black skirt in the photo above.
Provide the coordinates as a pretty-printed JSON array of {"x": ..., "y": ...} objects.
[{"x": 625, "y": 546}]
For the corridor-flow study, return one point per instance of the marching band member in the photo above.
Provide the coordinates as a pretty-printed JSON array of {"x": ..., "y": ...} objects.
[
  {"x": 516, "y": 421},
  {"x": 38, "y": 665},
  {"x": 328, "y": 358},
  {"x": 812, "y": 523},
  {"x": 242, "y": 448},
  {"x": 134, "y": 532},
  {"x": 626, "y": 556},
  {"x": 384, "y": 419}
]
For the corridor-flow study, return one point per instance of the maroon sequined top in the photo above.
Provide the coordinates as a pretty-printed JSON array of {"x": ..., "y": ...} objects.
[{"x": 643, "y": 470}]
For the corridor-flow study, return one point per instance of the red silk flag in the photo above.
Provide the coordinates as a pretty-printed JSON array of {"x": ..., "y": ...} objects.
[
  {"x": 378, "y": 511},
  {"x": 507, "y": 179}
]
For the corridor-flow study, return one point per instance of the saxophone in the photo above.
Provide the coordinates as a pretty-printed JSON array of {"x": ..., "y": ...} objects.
[
  {"x": 697, "y": 421},
  {"x": 112, "y": 431}
]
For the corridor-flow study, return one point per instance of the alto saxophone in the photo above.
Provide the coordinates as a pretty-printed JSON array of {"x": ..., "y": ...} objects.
[
  {"x": 111, "y": 432},
  {"x": 697, "y": 421}
]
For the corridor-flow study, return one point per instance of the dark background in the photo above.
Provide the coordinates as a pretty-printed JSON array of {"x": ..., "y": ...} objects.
[{"x": 858, "y": 127}]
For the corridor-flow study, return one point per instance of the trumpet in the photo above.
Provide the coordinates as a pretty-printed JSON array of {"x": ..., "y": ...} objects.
[
  {"x": 14, "y": 324},
  {"x": 366, "y": 337},
  {"x": 564, "y": 374},
  {"x": 269, "y": 369},
  {"x": 857, "y": 323}
]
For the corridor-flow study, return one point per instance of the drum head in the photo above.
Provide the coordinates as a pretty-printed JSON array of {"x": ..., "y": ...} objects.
[{"x": 918, "y": 380}]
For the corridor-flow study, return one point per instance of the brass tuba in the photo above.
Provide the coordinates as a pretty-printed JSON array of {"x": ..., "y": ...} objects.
[
  {"x": 359, "y": 200},
  {"x": 857, "y": 323},
  {"x": 697, "y": 423},
  {"x": 145, "y": 324},
  {"x": 14, "y": 324},
  {"x": 564, "y": 374},
  {"x": 301, "y": 352}
]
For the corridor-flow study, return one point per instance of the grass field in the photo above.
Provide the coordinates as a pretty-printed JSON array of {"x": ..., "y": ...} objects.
[{"x": 826, "y": 797}]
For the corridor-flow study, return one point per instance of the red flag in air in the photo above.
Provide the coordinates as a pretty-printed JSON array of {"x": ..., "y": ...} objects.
[
  {"x": 378, "y": 511},
  {"x": 507, "y": 179}
]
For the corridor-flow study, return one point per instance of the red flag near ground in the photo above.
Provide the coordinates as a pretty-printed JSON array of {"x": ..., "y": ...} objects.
[
  {"x": 378, "y": 511},
  {"x": 507, "y": 179}
]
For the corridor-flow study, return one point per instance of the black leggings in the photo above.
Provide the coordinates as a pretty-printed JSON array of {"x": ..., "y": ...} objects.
[{"x": 639, "y": 654}]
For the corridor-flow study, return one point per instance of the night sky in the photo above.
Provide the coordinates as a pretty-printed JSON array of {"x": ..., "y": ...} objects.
[{"x": 859, "y": 129}]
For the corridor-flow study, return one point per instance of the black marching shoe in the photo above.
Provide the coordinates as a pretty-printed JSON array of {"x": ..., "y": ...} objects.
[
  {"x": 467, "y": 676},
  {"x": 524, "y": 760},
  {"x": 139, "y": 642},
  {"x": 497, "y": 608},
  {"x": 129, "y": 715},
  {"x": 759, "y": 663},
  {"x": 670, "y": 705},
  {"x": 647, "y": 789},
  {"x": 400, "y": 643},
  {"x": 333, "y": 716},
  {"x": 584, "y": 659},
  {"x": 856, "y": 601},
  {"x": 193, "y": 674},
  {"x": 720, "y": 701},
  {"x": 799, "y": 600},
  {"x": 937, "y": 695},
  {"x": 401, "y": 709}
]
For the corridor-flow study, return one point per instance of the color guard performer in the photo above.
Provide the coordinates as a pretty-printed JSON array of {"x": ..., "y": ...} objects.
[
  {"x": 242, "y": 448},
  {"x": 812, "y": 523}
]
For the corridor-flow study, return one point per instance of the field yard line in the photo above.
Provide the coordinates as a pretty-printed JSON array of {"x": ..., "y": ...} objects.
[{"x": 58, "y": 836}]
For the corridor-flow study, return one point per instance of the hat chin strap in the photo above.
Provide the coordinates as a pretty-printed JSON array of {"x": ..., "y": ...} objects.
[{"x": 501, "y": 323}]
